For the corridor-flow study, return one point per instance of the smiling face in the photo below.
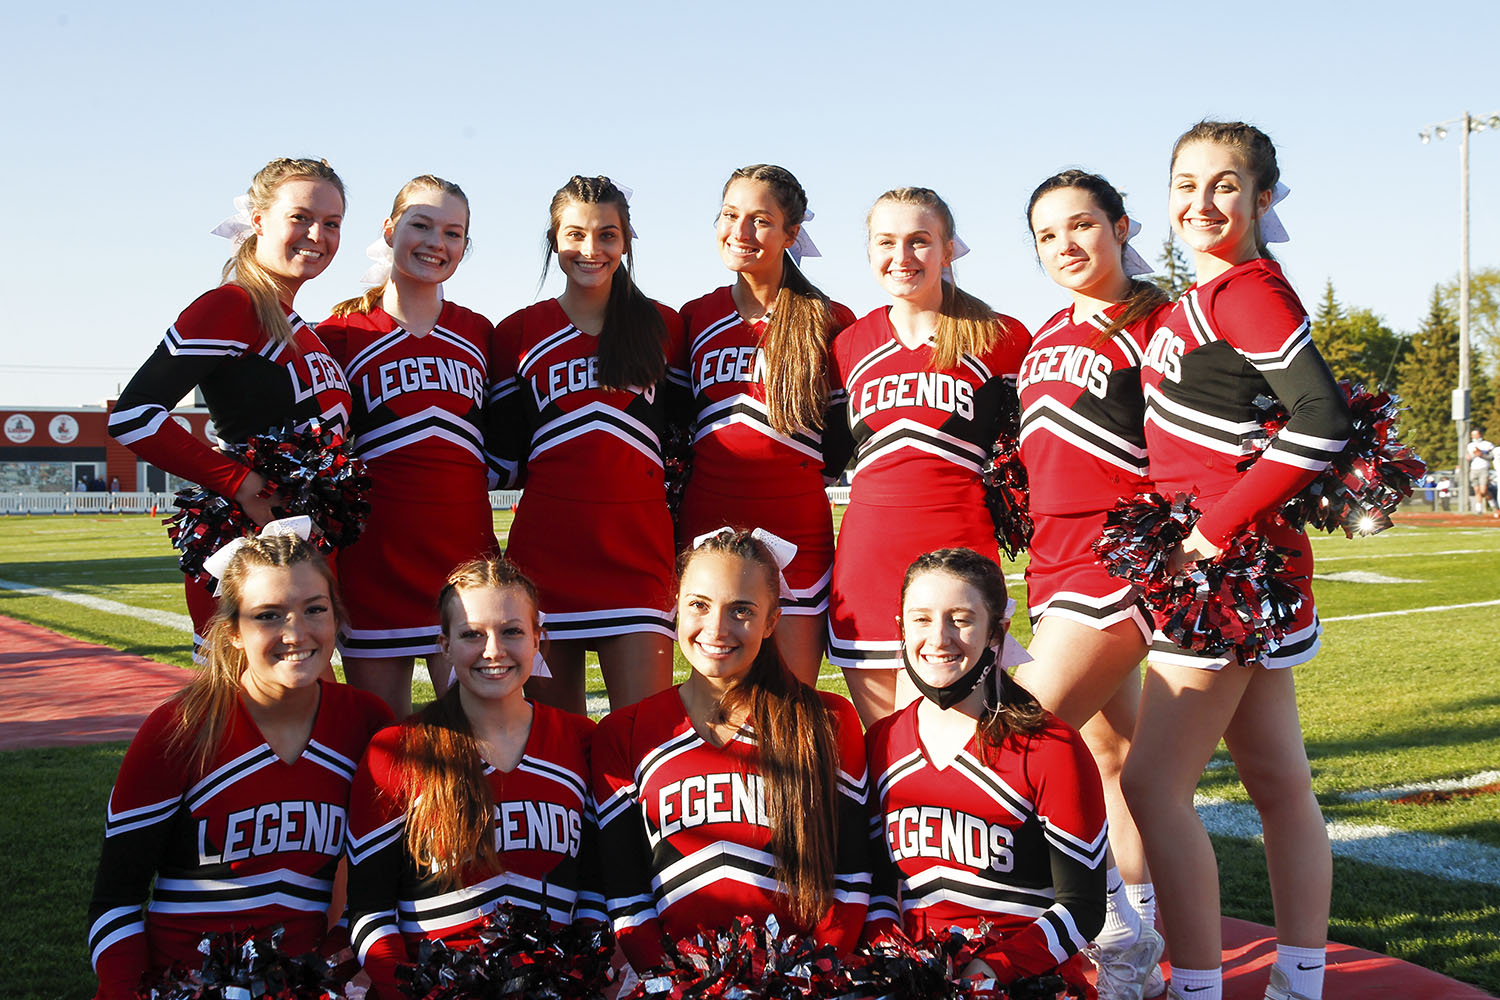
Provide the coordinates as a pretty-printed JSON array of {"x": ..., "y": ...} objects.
[
  {"x": 1213, "y": 203},
  {"x": 491, "y": 638},
  {"x": 298, "y": 233},
  {"x": 944, "y": 626},
  {"x": 590, "y": 243},
  {"x": 726, "y": 608},
  {"x": 1078, "y": 246},
  {"x": 751, "y": 231},
  {"x": 286, "y": 627},
  {"x": 430, "y": 238},
  {"x": 908, "y": 251}
]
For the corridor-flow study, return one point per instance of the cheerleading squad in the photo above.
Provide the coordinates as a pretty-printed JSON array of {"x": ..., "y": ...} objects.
[{"x": 1035, "y": 798}]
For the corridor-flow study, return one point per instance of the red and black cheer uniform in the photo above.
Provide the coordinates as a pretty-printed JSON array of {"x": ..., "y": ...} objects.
[
  {"x": 1017, "y": 843},
  {"x": 418, "y": 426},
  {"x": 251, "y": 843},
  {"x": 592, "y": 529},
  {"x": 1084, "y": 446},
  {"x": 250, "y": 382},
  {"x": 920, "y": 439},
  {"x": 1240, "y": 335},
  {"x": 746, "y": 473},
  {"x": 683, "y": 826},
  {"x": 544, "y": 835}
]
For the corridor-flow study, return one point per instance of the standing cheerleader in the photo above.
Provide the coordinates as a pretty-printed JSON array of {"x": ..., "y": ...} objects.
[
  {"x": 759, "y": 370},
  {"x": 1083, "y": 445},
  {"x": 417, "y": 370},
  {"x": 977, "y": 754},
  {"x": 698, "y": 827},
  {"x": 479, "y": 800},
  {"x": 579, "y": 400},
  {"x": 258, "y": 365},
  {"x": 1239, "y": 333},
  {"x": 923, "y": 379},
  {"x": 229, "y": 811}
]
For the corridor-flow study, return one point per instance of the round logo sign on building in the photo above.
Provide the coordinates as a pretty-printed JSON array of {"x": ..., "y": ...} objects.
[
  {"x": 19, "y": 428},
  {"x": 64, "y": 429}
]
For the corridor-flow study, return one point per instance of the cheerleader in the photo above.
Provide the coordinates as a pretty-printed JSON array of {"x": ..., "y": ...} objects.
[
  {"x": 257, "y": 364},
  {"x": 579, "y": 401},
  {"x": 1240, "y": 332},
  {"x": 1083, "y": 446},
  {"x": 977, "y": 754},
  {"x": 923, "y": 379},
  {"x": 417, "y": 366},
  {"x": 698, "y": 829},
  {"x": 759, "y": 371},
  {"x": 229, "y": 811},
  {"x": 479, "y": 800}
]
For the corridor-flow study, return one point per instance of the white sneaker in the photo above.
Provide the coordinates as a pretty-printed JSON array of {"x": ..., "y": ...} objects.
[
  {"x": 1156, "y": 983},
  {"x": 1279, "y": 989},
  {"x": 1124, "y": 974}
]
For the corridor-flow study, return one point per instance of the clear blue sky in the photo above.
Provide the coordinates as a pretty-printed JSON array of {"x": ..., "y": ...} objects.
[{"x": 129, "y": 128}]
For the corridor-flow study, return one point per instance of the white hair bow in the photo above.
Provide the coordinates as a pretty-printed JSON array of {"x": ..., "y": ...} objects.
[
  {"x": 1134, "y": 263},
  {"x": 1011, "y": 651},
  {"x": 216, "y": 564},
  {"x": 803, "y": 245},
  {"x": 1271, "y": 229},
  {"x": 384, "y": 260},
  {"x": 238, "y": 227},
  {"x": 628, "y": 193},
  {"x": 960, "y": 248},
  {"x": 781, "y": 550}
]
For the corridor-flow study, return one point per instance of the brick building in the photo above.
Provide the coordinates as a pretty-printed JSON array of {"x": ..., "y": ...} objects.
[{"x": 51, "y": 449}]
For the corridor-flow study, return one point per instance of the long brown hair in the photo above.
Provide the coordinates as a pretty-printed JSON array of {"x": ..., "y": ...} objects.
[
  {"x": 966, "y": 324},
  {"x": 795, "y": 344},
  {"x": 206, "y": 705},
  {"x": 243, "y": 269},
  {"x": 1009, "y": 708},
  {"x": 1253, "y": 145},
  {"x": 426, "y": 182},
  {"x": 450, "y": 810},
  {"x": 796, "y": 746},
  {"x": 632, "y": 346},
  {"x": 1144, "y": 297}
]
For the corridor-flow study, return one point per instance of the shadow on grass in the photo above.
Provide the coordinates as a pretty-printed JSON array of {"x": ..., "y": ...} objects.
[{"x": 93, "y": 572}]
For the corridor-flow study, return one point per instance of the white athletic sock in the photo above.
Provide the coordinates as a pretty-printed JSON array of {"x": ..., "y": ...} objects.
[
  {"x": 1143, "y": 897},
  {"x": 1121, "y": 923},
  {"x": 1198, "y": 984},
  {"x": 1303, "y": 968}
]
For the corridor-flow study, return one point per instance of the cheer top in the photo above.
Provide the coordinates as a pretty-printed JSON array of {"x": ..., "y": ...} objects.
[
  {"x": 417, "y": 400},
  {"x": 1017, "y": 843},
  {"x": 735, "y": 448},
  {"x": 249, "y": 381},
  {"x": 1082, "y": 440},
  {"x": 684, "y": 828},
  {"x": 920, "y": 436},
  {"x": 544, "y": 832},
  {"x": 573, "y": 437},
  {"x": 1240, "y": 335},
  {"x": 252, "y": 843}
]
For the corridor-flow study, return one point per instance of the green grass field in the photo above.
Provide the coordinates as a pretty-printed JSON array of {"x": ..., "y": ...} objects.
[{"x": 1398, "y": 699}]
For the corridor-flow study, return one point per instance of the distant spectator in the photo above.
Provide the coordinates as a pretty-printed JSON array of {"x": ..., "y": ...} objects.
[
  {"x": 114, "y": 484},
  {"x": 1480, "y": 453},
  {"x": 81, "y": 486}
]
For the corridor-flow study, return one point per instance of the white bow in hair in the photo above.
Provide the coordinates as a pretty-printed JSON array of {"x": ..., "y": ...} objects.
[
  {"x": 1011, "y": 651},
  {"x": 803, "y": 245},
  {"x": 959, "y": 249},
  {"x": 1133, "y": 262},
  {"x": 628, "y": 193},
  {"x": 384, "y": 260},
  {"x": 216, "y": 564},
  {"x": 781, "y": 550},
  {"x": 238, "y": 227},
  {"x": 1271, "y": 229}
]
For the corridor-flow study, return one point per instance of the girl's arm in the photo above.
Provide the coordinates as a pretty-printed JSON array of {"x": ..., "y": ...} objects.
[
  {"x": 505, "y": 433},
  {"x": 377, "y": 859},
  {"x": 845, "y": 920},
  {"x": 626, "y": 879}
]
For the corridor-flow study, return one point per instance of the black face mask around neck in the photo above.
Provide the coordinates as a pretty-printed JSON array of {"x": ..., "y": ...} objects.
[{"x": 946, "y": 697}]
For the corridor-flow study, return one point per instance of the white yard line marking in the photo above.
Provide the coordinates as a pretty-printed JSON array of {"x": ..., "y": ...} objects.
[
  {"x": 1373, "y": 843},
  {"x": 170, "y": 619},
  {"x": 1410, "y": 611},
  {"x": 1319, "y": 560},
  {"x": 1362, "y": 576},
  {"x": 1441, "y": 785}
]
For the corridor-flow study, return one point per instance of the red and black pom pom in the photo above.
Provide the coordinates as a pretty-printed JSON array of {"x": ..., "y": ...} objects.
[
  {"x": 240, "y": 964},
  {"x": 1007, "y": 491}
]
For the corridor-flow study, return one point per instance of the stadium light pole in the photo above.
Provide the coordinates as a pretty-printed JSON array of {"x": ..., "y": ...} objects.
[{"x": 1468, "y": 123}]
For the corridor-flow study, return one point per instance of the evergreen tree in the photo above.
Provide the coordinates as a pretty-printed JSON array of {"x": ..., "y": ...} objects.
[
  {"x": 1174, "y": 274},
  {"x": 1380, "y": 348},
  {"x": 1331, "y": 334},
  {"x": 1428, "y": 374},
  {"x": 1484, "y": 309}
]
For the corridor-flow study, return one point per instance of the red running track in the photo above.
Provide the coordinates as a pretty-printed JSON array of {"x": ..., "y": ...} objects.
[{"x": 56, "y": 691}]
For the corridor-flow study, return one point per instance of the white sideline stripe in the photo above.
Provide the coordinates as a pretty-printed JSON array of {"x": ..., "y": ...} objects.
[
  {"x": 171, "y": 619},
  {"x": 1441, "y": 785},
  {"x": 1410, "y": 611},
  {"x": 1374, "y": 843},
  {"x": 1320, "y": 560}
]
